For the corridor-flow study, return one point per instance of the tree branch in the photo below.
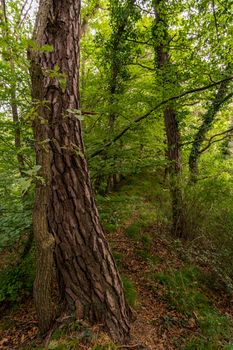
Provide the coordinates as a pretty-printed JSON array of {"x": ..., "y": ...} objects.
[
  {"x": 142, "y": 65},
  {"x": 210, "y": 142},
  {"x": 144, "y": 116},
  {"x": 140, "y": 42}
]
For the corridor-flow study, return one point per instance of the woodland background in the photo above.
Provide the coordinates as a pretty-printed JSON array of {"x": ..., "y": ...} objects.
[{"x": 156, "y": 108}]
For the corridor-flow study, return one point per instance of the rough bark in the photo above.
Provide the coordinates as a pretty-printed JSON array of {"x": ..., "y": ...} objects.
[
  {"x": 162, "y": 61},
  {"x": 87, "y": 272},
  {"x": 42, "y": 291}
]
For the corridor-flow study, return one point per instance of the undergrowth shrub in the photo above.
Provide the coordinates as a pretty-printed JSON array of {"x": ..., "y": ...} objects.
[
  {"x": 210, "y": 215},
  {"x": 15, "y": 221},
  {"x": 184, "y": 293},
  {"x": 16, "y": 281}
]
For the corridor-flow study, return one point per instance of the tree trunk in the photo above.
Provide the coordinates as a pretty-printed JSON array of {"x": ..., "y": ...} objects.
[
  {"x": 13, "y": 98},
  {"x": 208, "y": 120},
  {"x": 174, "y": 169},
  {"x": 87, "y": 272}
]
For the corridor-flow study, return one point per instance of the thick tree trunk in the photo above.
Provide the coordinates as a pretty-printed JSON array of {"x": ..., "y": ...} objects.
[{"x": 87, "y": 272}]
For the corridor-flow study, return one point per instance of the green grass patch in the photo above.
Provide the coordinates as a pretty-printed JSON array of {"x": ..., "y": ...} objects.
[
  {"x": 129, "y": 290},
  {"x": 184, "y": 294},
  {"x": 115, "y": 209},
  {"x": 141, "y": 195},
  {"x": 118, "y": 257},
  {"x": 134, "y": 231},
  {"x": 147, "y": 256},
  {"x": 147, "y": 240}
]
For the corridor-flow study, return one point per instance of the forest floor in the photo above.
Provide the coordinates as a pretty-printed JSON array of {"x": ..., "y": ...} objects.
[{"x": 178, "y": 300}]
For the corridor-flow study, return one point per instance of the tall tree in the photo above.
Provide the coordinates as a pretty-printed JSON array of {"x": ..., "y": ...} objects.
[
  {"x": 9, "y": 57},
  {"x": 163, "y": 66},
  {"x": 65, "y": 219},
  {"x": 117, "y": 52}
]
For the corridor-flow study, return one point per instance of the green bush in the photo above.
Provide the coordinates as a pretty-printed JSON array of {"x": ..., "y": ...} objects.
[
  {"x": 16, "y": 281},
  {"x": 15, "y": 220},
  {"x": 210, "y": 215}
]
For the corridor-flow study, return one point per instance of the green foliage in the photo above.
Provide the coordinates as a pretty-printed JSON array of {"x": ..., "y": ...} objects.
[
  {"x": 185, "y": 295},
  {"x": 120, "y": 81},
  {"x": 210, "y": 213},
  {"x": 145, "y": 255},
  {"x": 147, "y": 240},
  {"x": 202, "y": 343},
  {"x": 15, "y": 220},
  {"x": 129, "y": 290},
  {"x": 133, "y": 231},
  {"x": 136, "y": 199},
  {"x": 197, "y": 343},
  {"x": 69, "y": 335},
  {"x": 118, "y": 257},
  {"x": 115, "y": 210},
  {"x": 64, "y": 344},
  {"x": 16, "y": 281}
]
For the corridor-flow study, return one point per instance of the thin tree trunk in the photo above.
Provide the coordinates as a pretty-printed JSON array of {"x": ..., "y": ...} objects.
[
  {"x": 174, "y": 169},
  {"x": 16, "y": 121},
  {"x": 208, "y": 121},
  {"x": 117, "y": 66},
  {"x": 175, "y": 173},
  {"x": 13, "y": 98},
  {"x": 87, "y": 272}
]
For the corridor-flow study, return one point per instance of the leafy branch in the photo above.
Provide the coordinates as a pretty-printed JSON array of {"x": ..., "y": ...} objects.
[
  {"x": 147, "y": 114},
  {"x": 211, "y": 140}
]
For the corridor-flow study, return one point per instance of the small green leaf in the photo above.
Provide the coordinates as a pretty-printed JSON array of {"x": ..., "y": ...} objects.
[{"x": 47, "y": 48}]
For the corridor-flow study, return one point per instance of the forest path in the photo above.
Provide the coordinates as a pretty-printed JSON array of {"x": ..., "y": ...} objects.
[
  {"x": 178, "y": 303},
  {"x": 139, "y": 263}
]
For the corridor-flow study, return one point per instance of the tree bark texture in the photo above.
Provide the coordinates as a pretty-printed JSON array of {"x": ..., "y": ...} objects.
[{"x": 88, "y": 274}]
